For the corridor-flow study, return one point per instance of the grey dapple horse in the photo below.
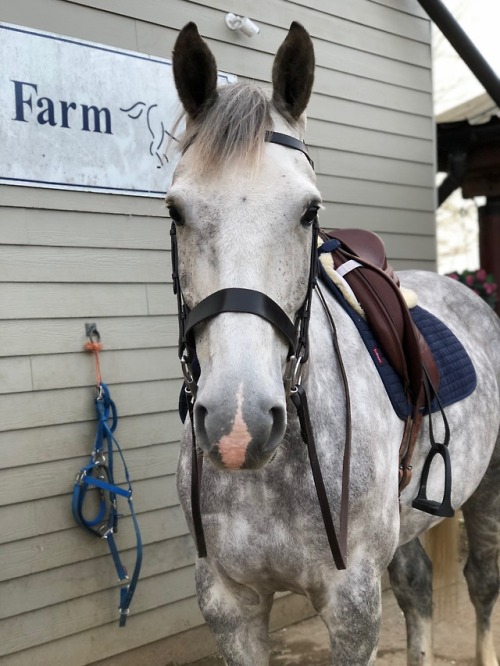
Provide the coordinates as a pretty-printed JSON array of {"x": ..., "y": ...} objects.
[{"x": 243, "y": 209}]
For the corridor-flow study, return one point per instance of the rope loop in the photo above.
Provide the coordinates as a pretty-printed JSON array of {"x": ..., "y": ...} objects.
[{"x": 95, "y": 348}]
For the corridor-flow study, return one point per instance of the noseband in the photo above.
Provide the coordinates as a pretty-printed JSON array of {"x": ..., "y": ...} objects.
[{"x": 235, "y": 299}]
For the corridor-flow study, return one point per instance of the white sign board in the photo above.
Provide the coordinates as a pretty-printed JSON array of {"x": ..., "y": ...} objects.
[{"x": 83, "y": 116}]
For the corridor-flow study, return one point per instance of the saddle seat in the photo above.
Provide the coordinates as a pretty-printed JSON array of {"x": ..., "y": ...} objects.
[{"x": 365, "y": 244}]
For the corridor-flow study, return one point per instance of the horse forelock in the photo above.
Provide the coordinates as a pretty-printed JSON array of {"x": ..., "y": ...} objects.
[{"x": 232, "y": 130}]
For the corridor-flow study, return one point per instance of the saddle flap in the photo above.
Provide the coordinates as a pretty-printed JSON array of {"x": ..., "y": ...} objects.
[{"x": 376, "y": 287}]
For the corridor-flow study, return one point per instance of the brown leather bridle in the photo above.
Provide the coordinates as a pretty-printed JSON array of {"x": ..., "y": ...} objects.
[{"x": 234, "y": 299}]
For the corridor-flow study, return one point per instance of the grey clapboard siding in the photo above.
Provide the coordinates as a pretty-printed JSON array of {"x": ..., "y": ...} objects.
[
  {"x": 56, "y": 586},
  {"x": 43, "y": 515},
  {"x": 43, "y": 408},
  {"x": 52, "y": 336},
  {"x": 67, "y": 258},
  {"x": 63, "y": 228},
  {"x": 56, "y": 549},
  {"x": 71, "y": 440},
  {"x": 23, "y": 484}
]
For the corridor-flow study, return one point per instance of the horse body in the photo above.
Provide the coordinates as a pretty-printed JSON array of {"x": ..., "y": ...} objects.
[{"x": 245, "y": 223}]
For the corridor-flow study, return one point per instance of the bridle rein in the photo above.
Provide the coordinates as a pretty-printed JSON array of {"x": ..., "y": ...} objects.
[{"x": 249, "y": 301}]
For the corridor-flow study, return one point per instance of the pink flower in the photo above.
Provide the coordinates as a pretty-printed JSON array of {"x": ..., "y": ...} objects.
[
  {"x": 489, "y": 288},
  {"x": 481, "y": 274},
  {"x": 469, "y": 280},
  {"x": 453, "y": 276}
]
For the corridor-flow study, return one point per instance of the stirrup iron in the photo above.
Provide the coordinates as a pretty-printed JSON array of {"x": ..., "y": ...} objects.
[{"x": 421, "y": 502}]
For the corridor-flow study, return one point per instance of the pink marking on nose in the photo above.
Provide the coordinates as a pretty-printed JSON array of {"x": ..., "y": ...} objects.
[{"x": 233, "y": 447}]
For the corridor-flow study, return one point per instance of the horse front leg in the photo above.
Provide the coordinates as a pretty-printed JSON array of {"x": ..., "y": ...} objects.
[
  {"x": 350, "y": 605},
  {"x": 236, "y": 614}
]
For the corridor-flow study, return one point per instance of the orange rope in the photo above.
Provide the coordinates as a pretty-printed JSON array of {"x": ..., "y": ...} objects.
[{"x": 95, "y": 348}]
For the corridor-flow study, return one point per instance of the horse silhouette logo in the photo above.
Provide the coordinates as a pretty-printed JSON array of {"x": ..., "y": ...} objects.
[{"x": 156, "y": 128}]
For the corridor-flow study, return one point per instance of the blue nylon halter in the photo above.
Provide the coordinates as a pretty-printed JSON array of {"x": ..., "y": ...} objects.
[{"x": 99, "y": 474}]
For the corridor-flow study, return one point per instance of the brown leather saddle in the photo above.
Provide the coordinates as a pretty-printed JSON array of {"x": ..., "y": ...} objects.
[{"x": 362, "y": 261}]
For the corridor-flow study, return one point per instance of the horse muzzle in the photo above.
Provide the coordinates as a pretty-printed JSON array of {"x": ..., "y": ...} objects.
[{"x": 246, "y": 441}]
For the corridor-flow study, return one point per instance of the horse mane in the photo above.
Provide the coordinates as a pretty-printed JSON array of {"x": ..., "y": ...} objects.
[{"x": 231, "y": 130}]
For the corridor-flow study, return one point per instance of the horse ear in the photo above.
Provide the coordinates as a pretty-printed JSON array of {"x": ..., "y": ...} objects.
[
  {"x": 195, "y": 71},
  {"x": 293, "y": 73}
]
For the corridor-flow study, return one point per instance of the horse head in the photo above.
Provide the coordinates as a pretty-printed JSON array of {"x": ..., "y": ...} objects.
[{"x": 244, "y": 208}]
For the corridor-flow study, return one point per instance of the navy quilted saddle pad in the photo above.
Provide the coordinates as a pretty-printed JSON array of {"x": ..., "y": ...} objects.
[{"x": 457, "y": 377}]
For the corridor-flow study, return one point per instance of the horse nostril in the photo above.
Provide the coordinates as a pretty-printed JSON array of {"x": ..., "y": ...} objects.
[
  {"x": 200, "y": 416},
  {"x": 278, "y": 415}
]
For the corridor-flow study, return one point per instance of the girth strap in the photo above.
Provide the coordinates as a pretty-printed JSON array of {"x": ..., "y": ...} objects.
[{"x": 235, "y": 299}]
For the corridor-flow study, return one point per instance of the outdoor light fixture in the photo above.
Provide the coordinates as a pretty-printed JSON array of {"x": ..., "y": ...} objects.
[{"x": 243, "y": 24}]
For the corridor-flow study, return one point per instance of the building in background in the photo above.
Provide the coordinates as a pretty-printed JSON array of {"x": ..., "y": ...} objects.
[
  {"x": 69, "y": 257},
  {"x": 458, "y": 96}
]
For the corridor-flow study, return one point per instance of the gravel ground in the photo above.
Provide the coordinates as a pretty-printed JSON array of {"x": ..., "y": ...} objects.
[{"x": 306, "y": 643}]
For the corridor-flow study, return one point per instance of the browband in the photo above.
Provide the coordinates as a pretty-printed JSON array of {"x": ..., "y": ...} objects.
[{"x": 289, "y": 142}]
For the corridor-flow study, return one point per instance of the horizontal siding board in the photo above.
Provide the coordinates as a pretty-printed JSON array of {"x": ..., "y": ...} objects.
[
  {"x": 21, "y": 484},
  {"x": 45, "y": 515},
  {"x": 359, "y": 14},
  {"x": 359, "y": 36},
  {"x": 50, "y": 300},
  {"x": 356, "y": 215},
  {"x": 73, "y": 440},
  {"x": 334, "y": 109},
  {"x": 337, "y": 57},
  {"x": 59, "y": 16},
  {"x": 90, "y": 202},
  {"x": 49, "y": 551},
  {"x": 118, "y": 367},
  {"x": 56, "y": 586},
  {"x": 54, "y": 228},
  {"x": 365, "y": 13},
  {"x": 400, "y": 246},
  {"x": 53, "y": 336},
  {"x": 19, "y": 263},
  {"x": 346, "y": 190},
  {"x": 414, "y": 264},
  {"x": 367, "y": 142},
  {"x": 331, "y": 54},
  {"x": 15, "y": 375},
  {"x": 329, "y": 28},
  {"x": 408, "y": 6},
  {"x": 46, "y": 408},
  {"x": 90, "y": 611},
  {"x": 145, "y": 628},
  {"x": 160, "y": 299},
  {"x": 371, "y": 168},
  {"x": 373, "y": 93}
]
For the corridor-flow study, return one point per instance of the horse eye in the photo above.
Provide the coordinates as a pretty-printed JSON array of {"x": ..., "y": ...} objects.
[
  {"x": 175, "y": 214},
  {"x": 310, "y": 215}
]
